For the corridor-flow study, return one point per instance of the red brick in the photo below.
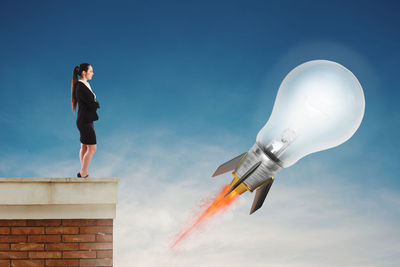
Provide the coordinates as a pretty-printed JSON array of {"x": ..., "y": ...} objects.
[
  {"x": 12, "y": 238},
  {"x": 13, "y": 255},
  {"x": 78, "y": 238},
  {"x": 44, "y": 238},
  {"x": 78, "y": 222},
  {"x": 27, "y": 230},
  {"x": 69, "y": 263},
  {"x": 104, "y": 254},
  {"x": 27, "y": 263},
  {"x": 4, "y": 246},
  {"x": 103, "y": 222},
  {"x": 12, "y": 222},
  {"x": 44, "y": 254},
  {"x": 79, "y": 254},
  {"x": 62, "y": 230},
  {"x": 4, "y": 230},
  {"x": 95, "y": 246},
  {"x": 96, "y": 262},
  {"x": 104, "y": 238},
  {"x": 96, "y": 230},
  {"x": 27, "y": 246},
  {"x": 62, "y": 246},
  {"x": 44, "y": 222},
  {"x": 5, "y": 263}
]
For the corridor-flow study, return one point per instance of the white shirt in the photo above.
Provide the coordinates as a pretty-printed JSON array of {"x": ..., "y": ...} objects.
[{"x": 90, "y": 88}]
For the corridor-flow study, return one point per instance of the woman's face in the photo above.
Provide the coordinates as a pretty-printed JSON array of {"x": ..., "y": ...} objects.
[{"x": 88, "y": 74}]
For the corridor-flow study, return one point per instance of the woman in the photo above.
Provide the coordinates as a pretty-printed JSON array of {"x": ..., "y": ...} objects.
[{"x": 82, "y": 95}]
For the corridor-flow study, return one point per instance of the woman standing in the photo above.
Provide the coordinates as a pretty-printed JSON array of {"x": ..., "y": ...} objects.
[{"x": 83, "y": 96}]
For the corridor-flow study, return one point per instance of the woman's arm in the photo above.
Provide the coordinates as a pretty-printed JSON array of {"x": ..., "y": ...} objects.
[{"x": 87, "y": 97}]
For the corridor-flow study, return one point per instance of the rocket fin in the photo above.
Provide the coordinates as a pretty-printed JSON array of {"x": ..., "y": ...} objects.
[
  {"x": 261, "y": 193},
  {"x": 229, "y": 165}
]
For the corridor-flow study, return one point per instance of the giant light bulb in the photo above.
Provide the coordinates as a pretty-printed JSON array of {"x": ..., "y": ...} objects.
[{"x": 320, "y": 104}]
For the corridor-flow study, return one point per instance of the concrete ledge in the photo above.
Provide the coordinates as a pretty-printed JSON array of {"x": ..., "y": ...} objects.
[
  {"x": 58, "y": 180},
  {"x": 58, "y": 198}
]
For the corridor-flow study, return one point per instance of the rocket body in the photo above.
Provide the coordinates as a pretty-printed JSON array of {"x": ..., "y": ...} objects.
[{"x": 253, "y": 170}]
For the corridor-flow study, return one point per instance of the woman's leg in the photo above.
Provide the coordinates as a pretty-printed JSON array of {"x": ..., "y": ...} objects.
[
  {"x": 86, "y": 159},
  {"x": 82, "y": 152}
]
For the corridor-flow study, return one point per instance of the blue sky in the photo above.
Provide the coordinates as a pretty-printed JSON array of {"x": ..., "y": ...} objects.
[{"x": 184, "y": 86}]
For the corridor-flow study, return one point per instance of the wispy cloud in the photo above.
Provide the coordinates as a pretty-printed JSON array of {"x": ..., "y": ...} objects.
[{"x": 310, "y": 218}]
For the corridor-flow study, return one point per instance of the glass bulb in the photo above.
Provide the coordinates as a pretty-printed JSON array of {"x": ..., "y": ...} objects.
[{"x": 320, "y": 104}]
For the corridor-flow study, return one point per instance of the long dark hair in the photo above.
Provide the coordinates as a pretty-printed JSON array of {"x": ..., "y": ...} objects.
[{"x": 77, "y": 71}]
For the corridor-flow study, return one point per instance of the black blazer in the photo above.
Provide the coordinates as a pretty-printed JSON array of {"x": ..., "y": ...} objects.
[{"x": 87, "y": 105}]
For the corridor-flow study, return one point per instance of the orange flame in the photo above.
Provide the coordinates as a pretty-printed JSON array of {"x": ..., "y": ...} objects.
[{"x": 219, "y": 204}]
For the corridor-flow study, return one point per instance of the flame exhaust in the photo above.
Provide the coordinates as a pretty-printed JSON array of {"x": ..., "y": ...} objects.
[{"x": 219, "y": 204}]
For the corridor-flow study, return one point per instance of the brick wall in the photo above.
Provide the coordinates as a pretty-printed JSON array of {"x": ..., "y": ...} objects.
[{"x": 56, "y": 242}]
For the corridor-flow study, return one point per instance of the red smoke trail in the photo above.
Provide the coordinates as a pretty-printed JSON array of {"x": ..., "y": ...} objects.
[{"x": 220, "y": 204}]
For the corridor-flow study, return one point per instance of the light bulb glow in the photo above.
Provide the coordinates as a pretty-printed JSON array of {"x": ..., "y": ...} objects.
[{"x": 320, "y": 104}]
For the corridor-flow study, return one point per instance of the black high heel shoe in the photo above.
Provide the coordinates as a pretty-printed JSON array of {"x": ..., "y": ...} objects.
[{"x": 79, "y": 175}]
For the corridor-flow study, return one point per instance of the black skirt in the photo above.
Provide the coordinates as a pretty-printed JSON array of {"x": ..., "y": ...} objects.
[{"x": 88, "y": 135}]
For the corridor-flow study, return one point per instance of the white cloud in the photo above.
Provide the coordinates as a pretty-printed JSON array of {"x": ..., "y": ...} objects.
[
  {"x": 311, "y": 217},
  {"x": 306, "y": 221}
]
